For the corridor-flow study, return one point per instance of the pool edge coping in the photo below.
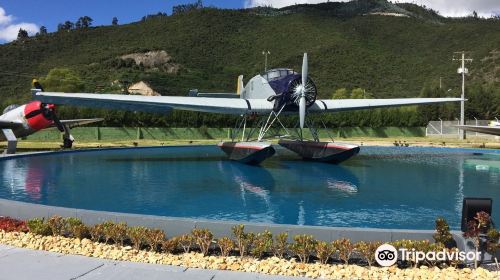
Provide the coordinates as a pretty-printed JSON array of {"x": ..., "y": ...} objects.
[{"x": 174, "y": 226}]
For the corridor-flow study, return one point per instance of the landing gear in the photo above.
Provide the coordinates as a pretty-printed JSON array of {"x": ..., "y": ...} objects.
[
  {"x": 67, "y": 138},
  {"x": 256, "y": 151},
  {"x": 11, "y": 141}
]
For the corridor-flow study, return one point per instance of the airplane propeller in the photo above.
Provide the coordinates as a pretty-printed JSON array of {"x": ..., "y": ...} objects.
[
  {"x": 48, "y": 111},
  {"x": 302, "y": 101}
]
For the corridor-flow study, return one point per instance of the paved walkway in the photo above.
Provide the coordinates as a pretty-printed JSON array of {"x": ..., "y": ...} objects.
[{"x": 19, "y": 263}]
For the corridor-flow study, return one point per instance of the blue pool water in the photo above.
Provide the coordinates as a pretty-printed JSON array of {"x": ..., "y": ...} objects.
[{"x": 389, "y": 187}]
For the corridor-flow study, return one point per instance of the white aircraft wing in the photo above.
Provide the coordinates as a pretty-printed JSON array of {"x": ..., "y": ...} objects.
[
  {"x": 335, "y": 105},
  {"x": 9, "y": 124},
  {"x": 493, "y": 130},
  {"x": 218, "y": 105},
  {"x": 159, "y": 103},
  {"x": 78, "y": 122}
]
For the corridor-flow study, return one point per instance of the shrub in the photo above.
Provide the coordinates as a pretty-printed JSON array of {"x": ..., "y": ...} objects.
[
  {"x": 303, "y": 246},
  {"x": 137, "y": 236},
  {"x": 324, "y": 251},
  {"x": 154, "y": 237},
  {"x": 119, "y": 233},
  {"x": 203, "y": 238},
  {"x": 58, "y": 225},
  {"x": 367, "y": 250},
  {"x": 226, "y": 245},
  {"x": 169, "y": 245},
  {"x": 442, "y": 234},
  {"x": 108, "y": 230},
  {"x": 433, "y": 247},
  {"x": 492, "y": 243},
  {"x": 186, "y": 241},
  {"x": 8, "y": 225},
  {"x": 280, "y": 245},
  {"x": 262, "y": 243},
  {"x": 244, "y": 240},
  {"x": 96, "y": 232},
  {"x": 80, "y": 231},
  {"x": 344, "y": 248},
  {"x": 39, "y": 226},
  {"x": 74, "y": 224}
]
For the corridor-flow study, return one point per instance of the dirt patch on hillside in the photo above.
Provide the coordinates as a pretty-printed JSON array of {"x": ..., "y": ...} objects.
[{"x": 154, "y": 60}]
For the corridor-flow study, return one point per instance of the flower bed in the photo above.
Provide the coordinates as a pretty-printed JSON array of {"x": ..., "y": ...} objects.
[{"x": 244, "y": 251}]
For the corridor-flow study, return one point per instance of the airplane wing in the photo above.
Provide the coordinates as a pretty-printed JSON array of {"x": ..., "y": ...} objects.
[
  {"x": 79, "y": 122},
  {"x": 9, "y": 124},
  {"x": 160, "y": 103},
  {"x": 218, "y": 105},
  {"x": 493, "y": 130},
  {"x": 336, "y": 105}
]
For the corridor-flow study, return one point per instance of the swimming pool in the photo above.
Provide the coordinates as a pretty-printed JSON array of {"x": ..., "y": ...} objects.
[{"x": 383, "y": 187}]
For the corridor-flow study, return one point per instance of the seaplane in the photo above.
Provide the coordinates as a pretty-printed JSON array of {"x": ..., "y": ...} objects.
[
  {"x": 19, "y": 121},
  {"x": 263, "y": 100}
]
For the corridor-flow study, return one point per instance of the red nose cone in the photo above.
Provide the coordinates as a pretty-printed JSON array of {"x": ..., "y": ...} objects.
[{"x": 39, "y": 121}]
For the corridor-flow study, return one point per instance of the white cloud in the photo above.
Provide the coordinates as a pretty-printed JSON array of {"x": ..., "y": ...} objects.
[
  {"x": 4, "y": 18},
  {"x": 449, "y": 8},
  {"x": 9, "y": 29}
]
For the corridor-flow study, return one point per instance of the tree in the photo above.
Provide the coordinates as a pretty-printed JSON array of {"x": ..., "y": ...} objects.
[
  {"x": 63, "y": 80},
  {"x": 84, "y": 22},
  {"x": 68, "y": 25},
  {"x": 360, "y": 93},
  {"x": 22, "y": 34},
  {"x": 114, "y": 21},
  {"x": 43, "y": 30},
  {"x": 340, "y": 93}
]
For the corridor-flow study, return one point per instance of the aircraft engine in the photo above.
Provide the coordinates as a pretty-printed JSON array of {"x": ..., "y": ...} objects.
[
  {"x": 294, "y": 91},
  {"x": 39, "y": 115},
  {"x": 289, "y": 93}
]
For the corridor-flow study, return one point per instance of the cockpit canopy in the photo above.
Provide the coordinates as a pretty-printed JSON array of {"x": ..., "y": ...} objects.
[
  {"x": 10, "y": 108},
  {"x": 277, "y": 73}
]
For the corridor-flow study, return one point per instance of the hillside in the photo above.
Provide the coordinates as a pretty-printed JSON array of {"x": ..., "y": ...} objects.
[{"x": 348, "y": 47}]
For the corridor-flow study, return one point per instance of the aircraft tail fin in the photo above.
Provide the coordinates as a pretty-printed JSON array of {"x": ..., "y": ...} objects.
[{"x": 240, "y": 86}]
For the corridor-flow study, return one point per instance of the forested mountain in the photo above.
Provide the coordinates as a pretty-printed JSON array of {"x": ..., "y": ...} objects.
[{"x": 389, "y": 50}]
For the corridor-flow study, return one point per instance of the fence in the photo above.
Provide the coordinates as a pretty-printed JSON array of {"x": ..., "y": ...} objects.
[
  {"x": 129, "y": 133},
  {"x": 448, "y": 129}
]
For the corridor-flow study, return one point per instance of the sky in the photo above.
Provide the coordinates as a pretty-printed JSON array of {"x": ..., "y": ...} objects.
[{"x": 31, "y": 14}]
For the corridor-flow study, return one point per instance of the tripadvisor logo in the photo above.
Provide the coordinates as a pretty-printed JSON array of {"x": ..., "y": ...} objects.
[{"x": 387, "y": 255}]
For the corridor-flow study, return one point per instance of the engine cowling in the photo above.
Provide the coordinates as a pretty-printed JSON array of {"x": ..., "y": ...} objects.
[
  {"x": 38, "y": 121},
  {"x": 290, "y": 96}
]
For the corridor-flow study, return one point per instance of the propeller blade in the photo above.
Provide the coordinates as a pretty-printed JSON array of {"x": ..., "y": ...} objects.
[
  {"x": 302, "y": 101},
  {"x": 33, "y": 114},
  {"x": 305, "y": 69},
  {"x": 302, "y": 111},
  {"x": 58, "y": 122}
]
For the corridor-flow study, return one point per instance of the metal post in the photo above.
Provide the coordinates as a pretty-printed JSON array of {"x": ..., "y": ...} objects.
[
  {"x": 462, "y": 103},
  {"x": 476, "y": 124},
  {"x": 462, "y": 71},
  {"x": 441, "y": 123},
  {"x": 265, "y": 53}
]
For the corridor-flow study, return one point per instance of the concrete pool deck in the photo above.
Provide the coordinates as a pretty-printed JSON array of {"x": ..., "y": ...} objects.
[{"x": 19, "y": 263}]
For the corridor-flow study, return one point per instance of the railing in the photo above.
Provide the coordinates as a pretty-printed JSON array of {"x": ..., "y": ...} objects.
[{"x": 448, "y": 129}]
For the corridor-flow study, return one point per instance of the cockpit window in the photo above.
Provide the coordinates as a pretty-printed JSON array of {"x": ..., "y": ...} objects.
[
  {"x": 273, "y": 75},
  {"x": 277, "y": 73}
]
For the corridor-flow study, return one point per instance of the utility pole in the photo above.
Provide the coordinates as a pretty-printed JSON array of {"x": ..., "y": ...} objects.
[
  {"x": 265, "y": 53},
  {"x": 462, "y": 70}
]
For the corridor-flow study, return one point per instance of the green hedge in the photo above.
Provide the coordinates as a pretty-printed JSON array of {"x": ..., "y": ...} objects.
[{"x": 129, "y": 133}]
